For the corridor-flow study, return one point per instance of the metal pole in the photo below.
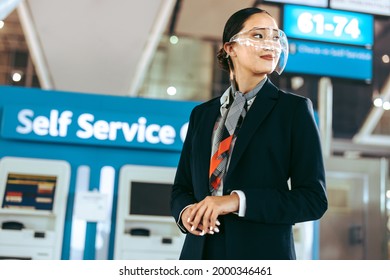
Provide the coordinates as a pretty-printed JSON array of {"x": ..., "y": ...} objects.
[{"x": 325, "y": 103}]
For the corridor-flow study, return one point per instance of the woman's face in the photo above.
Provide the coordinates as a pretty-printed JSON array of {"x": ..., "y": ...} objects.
[{"x": 249, "y": 60}]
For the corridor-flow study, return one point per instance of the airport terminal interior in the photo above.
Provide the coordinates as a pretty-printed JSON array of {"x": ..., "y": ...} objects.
[{"x": 94, "y": 104}]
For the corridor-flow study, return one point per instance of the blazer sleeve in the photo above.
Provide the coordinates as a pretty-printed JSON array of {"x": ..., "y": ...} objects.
[
  {"x": 182, "y": 189},
  {"x": 306, "y": 200}
]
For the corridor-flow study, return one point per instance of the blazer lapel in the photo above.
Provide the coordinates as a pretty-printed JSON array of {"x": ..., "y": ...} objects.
[
  {"x": 265, "y": 100},
  {"x": 204, "y": 141}
]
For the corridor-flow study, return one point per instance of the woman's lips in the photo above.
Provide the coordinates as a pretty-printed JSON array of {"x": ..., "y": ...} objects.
[{"x": 267, "y": 57}]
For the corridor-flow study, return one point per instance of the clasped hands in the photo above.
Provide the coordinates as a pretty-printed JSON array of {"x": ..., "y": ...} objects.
[{"x": 202, "y": 217}]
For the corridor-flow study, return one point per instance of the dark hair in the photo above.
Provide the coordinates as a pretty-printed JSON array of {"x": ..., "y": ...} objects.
[{"x": 234, "y": 25}]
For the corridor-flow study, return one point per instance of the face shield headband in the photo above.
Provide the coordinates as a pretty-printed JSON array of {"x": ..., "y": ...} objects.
[{"x": 265, "y": 39}]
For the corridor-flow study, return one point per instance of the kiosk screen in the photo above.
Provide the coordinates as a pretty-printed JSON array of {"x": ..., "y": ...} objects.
[
  {"x": 150, "y": 199},
  {"x": 29, "y": 192}
]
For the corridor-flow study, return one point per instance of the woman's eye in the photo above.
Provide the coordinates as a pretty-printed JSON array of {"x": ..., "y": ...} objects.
[
  {"x": 258, "y": 36},
  {"x": 276, "y": 38}
]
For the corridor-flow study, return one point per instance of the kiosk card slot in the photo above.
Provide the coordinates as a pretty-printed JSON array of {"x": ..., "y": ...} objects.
[
  {"x": 13, "y": 225},
  {"x": 139, "y": 232}
]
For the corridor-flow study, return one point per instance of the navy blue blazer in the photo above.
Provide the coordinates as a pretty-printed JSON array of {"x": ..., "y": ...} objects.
[{"x": 277, "y": 141}]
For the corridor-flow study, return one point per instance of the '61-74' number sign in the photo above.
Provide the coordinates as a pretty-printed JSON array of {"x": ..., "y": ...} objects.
[{"x": 328, "y": 25}]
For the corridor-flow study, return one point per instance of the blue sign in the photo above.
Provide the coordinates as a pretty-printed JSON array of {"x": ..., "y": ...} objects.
[
  {"x": 142, "y": 130},
  {"x": 374, "y": 7},
  {"x": 328, "y": 25},
  {"x": 329, "y": 60},
  {"x": 314, "y": 3}
]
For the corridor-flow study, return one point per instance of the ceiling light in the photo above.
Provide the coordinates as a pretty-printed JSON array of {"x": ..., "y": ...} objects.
[
  {"x": 16, "y": 76},
  {"x": 297, "y": 83},
  {"x": 171, "y": 90},
  {"x": 174, "y": 40},
  {"x": 386, "y": 105},
  {"x": 378, "y": 102},
  {"x": 385, "y": 58}
]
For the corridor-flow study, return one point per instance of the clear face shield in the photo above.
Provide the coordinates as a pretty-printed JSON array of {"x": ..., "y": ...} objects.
[{"x": 266, "y": 39}]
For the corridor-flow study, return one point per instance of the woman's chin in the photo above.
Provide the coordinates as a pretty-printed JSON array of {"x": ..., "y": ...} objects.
[{"x": 265, "y": 71}]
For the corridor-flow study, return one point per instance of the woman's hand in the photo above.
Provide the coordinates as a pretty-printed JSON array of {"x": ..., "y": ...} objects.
[
  {"x": 202, "y": 217},
  {"x": 185, "y": 218}
]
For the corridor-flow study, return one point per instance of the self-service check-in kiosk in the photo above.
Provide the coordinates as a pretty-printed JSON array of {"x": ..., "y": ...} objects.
[
  {"x": 97, "y": 135},
  {"x": 33, "y": 203},
  {"x": 145, "y": 227}
]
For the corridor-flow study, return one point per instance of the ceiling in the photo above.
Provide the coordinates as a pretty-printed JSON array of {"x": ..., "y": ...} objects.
[{"x": 95, "y": 47}]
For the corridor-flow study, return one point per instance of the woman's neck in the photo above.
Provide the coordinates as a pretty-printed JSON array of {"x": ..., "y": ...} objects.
[{"x": 246, "y": 84}]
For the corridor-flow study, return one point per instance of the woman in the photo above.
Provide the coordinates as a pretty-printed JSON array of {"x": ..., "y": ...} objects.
[{"x": 231, "y": 194}]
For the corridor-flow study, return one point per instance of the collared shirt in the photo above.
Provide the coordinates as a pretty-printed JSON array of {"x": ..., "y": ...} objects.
[{"x": 225, "y": 98}]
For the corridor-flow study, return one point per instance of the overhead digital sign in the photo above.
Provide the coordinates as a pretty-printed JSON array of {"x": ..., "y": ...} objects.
[
  {"x": 328, "y": 25},
  {"x": 316, "y": 3},
  {"x": 377, "y": 7},
  {"x": 330, "y": 60}
]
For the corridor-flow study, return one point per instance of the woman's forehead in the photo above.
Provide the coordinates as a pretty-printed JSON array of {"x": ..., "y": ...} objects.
[{"x": 260, "y": 20}]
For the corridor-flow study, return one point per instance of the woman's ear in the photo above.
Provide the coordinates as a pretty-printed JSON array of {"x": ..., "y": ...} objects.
[{"x": 228, "y": 47}]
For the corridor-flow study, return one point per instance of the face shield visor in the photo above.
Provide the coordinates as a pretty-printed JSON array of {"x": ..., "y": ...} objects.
[{"x": 266, "y": 39}]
